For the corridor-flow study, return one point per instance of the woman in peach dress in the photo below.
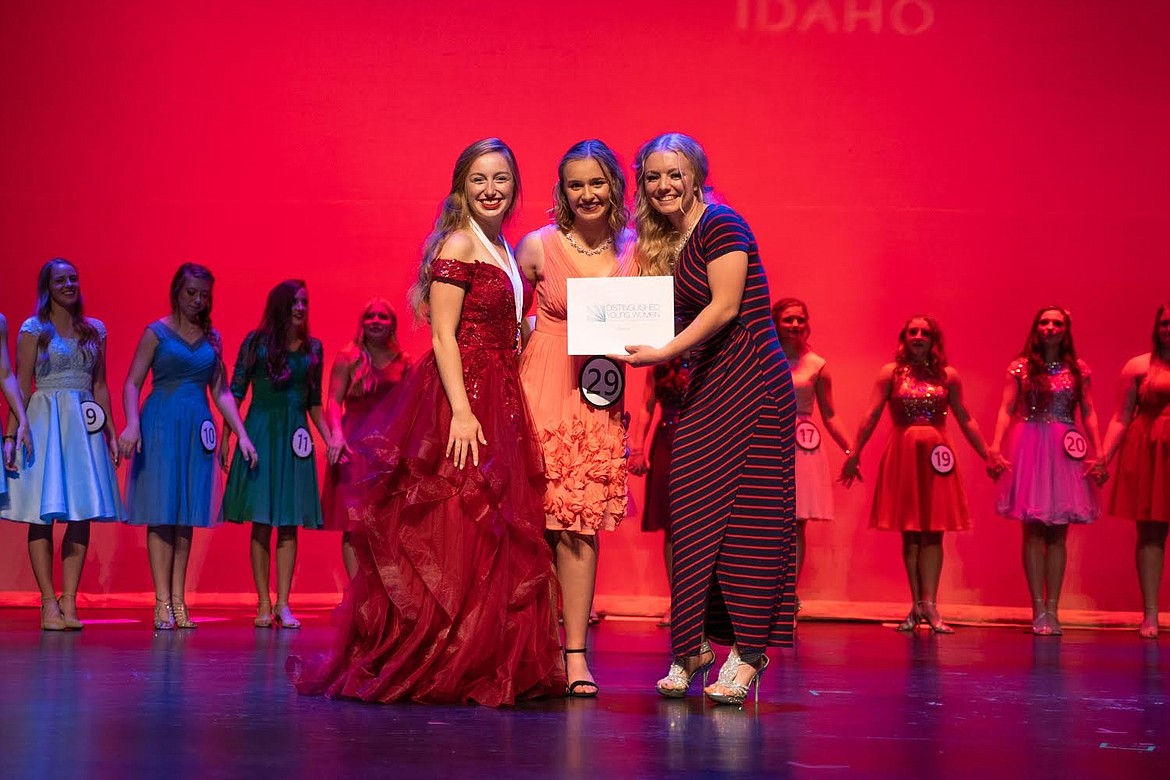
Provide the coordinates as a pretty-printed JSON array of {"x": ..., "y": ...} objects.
[{"x": 584, "y": 447}]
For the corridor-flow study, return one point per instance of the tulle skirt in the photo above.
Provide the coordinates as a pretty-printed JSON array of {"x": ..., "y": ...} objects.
[
  {"x": 909, "y": 494},
  {"x": 455, "y": 596},
  {"x": 1045, "y": 485},
  {"x": 1141, "y": 487}
]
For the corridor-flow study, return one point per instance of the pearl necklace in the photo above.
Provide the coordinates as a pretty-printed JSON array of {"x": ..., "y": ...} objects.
[{"x": 604, "y": 245}]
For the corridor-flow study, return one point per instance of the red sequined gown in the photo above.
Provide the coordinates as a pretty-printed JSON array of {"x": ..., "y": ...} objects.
[{"x": 455, "y": 593}]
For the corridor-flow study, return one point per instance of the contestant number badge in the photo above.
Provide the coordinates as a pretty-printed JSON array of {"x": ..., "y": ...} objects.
[
  {"x": 1075, "y": 445},
  {"x": 207, "y": 435},
  {"x": 602, "y": 382},
  {"x": 93, "y": 415},
  {"x": 302, "y": 442},
  {"x": 808, "y": 435},
  {"x": 942, "y": 459}
]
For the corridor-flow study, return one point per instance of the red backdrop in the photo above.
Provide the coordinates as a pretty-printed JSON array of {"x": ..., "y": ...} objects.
[{"x": 974, "y": 160}]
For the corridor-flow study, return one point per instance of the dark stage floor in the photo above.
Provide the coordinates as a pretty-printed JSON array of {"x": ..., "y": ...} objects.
[{"x": 858, "y": 700}]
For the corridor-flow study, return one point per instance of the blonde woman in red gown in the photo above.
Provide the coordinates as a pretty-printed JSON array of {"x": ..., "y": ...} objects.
[
  {"x": 363, "y": 374},
  {"x": 919, "y": 489},
  {"x": 1140, "y": 430},
  {"x": 455, "y": 595},
  {"x": 584, "y": 447}
]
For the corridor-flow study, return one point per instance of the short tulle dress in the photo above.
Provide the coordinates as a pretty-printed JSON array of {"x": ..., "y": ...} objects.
[
  {"x": 814, "y": 481},
  {"x": 174, "y": 478},
  {"x": 584, "y": 448},
  {"x": 1046, "y": 485},
  {"x": 281, "y": 490},
  {"x": 455, "y": 596},
  {"x": 909, "y": 493},
  {"x": 670, "y": 386},
  {"x": 68, "y": 476},
  {"x": 1141, "y": 488},
  {"x": 358, "y": 405}
]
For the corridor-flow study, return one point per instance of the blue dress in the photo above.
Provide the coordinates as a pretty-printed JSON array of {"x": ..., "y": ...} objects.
[
  {"x": 281, "y": 490},
  {"x": 174, "y": 479},
  {"x": 68, "y": 476}
]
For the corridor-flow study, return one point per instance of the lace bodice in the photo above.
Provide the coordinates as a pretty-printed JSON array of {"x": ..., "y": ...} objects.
[
  {"x": 1048, "y": 397},
  {"x": 65, "y": 366},
  {"x": 916, "y": 400}
]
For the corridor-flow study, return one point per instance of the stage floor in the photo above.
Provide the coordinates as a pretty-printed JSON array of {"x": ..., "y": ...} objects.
[{"x": 119, "y": 700}]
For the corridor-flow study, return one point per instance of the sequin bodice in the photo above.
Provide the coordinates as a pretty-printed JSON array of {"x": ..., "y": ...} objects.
[
  {"x": 488, "y": 331},
  {"x": 917, "y": 400},
  {"x": 64, "y": 365},
  {"x": 1048, "y": 397}
]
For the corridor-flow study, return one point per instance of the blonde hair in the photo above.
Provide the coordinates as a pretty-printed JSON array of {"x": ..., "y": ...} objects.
[
  {"x": 364, "y": 378},
  {"x": 453, "y": 214},
  {"x": 658, "y": 242}
]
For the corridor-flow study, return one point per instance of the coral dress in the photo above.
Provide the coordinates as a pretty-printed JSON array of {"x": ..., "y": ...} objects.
[
  {"x": 919, "y": 487},
  {"x": 174, "y": 478},
  {"x": 732, "y": 485},
  {"x": 1046, "y": 485},
  {"x": 670, "y": 385},
  {"x": 358, "y": 405},
  {"x": 68, "y": 476},
  {"x": 1141, "y": 489},
  {"x": 281, "y": 489},
  {"x": 455, "y": 595},
  {"x": 584, "y": 448},
  {"x": 814, "y": 481}
]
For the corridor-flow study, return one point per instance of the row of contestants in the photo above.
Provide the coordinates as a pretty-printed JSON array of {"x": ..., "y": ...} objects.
[
  {"x": 1046, "y": 469},
  {"x": 61, "y": 453}
]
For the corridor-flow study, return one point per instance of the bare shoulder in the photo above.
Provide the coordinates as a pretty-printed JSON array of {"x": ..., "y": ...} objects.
[
  {"x": 951, "y": 375},
  {"x": 530, "y": 251},
  {"x": 1137, "y": 366},
  {"x": 886, "y": 372},
  {"x": 459, "y": 246}
]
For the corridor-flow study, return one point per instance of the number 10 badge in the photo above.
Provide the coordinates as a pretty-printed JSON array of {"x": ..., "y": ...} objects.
[{"x": 602, "y": 382}]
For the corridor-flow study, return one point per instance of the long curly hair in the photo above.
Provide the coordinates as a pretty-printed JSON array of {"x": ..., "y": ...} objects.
[
  {"x": 273, "y": 333},
  {"x": 778, "y": 308},
  {"x": 936, "y": 361},
  {"x": 658, "y": 242},
  {"x": 364, "y": 378},
  {"x": 592, "y": 149},
  {"x": 202, "y": 273},
  {"x": 1033, "y": 351},
  {"x": 88, "y": 338},
  {"x": 454, "y": 214}
]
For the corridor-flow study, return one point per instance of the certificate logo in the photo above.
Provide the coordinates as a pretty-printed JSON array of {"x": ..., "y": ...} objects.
[{"x": 595, "y": 312}]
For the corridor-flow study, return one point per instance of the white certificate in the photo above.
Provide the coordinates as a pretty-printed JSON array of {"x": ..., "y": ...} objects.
[{"x": 609, "y": 313}]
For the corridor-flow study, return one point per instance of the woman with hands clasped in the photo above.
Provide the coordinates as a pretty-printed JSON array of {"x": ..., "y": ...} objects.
[
  {"x": 919, "y": 489},
  {"x": 171, "y": 446}
]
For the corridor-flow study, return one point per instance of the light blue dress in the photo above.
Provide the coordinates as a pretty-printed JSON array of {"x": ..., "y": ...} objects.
[
  {"x": 174, "y": 479},
  {"x": 68, "y": 476}
]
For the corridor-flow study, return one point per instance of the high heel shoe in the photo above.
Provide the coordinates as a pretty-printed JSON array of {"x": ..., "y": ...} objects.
[
  {"x": 677, "y": 681},
  {"x": 736, "y": 691},
  {"x": 1040, "y": 626},
  {"x": 929, "y": 612},
  {"x": 164, "y": 619},
  {"x": 1054, "y": 627},
  {"x": 263, "y": 615},
  {"x": 1149, "y": 626},
  {"x": 911, "y": 622},
  {"x": 72, "y": 622},
  {"x": 284, "y": 617},
  {"x": 575, "y": 687},
  {"x": 182, "y": 617},
  {"x": 51, "y": 619}
]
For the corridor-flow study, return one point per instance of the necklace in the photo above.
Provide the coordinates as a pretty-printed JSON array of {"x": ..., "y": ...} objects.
[
  {"x": 604, "y": 245},
  {"x": 687, "y": 235}
]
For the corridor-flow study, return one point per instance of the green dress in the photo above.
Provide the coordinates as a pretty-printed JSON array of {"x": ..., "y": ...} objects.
[{"x": 282, "y": 489}]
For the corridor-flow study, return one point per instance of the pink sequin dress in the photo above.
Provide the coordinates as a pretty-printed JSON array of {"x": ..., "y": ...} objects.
[
  {"x": 455, "y": 596},
  {"x": 584, "y": 448},
  {"x": 910, "y": 494},
  {"x": 1045, "y": 484},
  {"x": 1142, "y": 483}
]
